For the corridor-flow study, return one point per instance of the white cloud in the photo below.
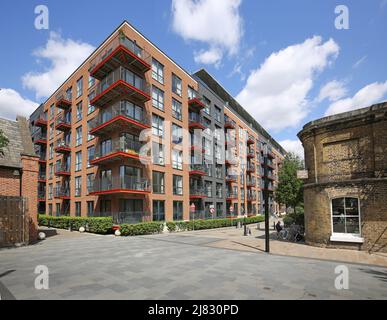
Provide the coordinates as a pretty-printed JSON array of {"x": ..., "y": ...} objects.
[
  {"x": 276, "y": 93},
  {"x": 365, "y": 97},
  {"x": 214, "y": 22},
  {"x": 13, "y": 104},
  {"x": 64, "y": 56},
  {"x": 294, "y": 146},
  {"x": 211, "y": 56},
  {"x": 333, "y": 91}
]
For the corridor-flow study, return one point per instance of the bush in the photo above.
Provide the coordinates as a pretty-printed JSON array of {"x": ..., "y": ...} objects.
[
  {"x": 141, "y": 228},
  {"x": 209, "y": 224},
  {"x": 294, "y": 218},
  {"x": 98, "y": 225}
]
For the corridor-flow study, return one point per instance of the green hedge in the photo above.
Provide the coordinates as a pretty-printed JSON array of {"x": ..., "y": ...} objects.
[
  {"x": 141, "y": 228},
  {"x": 210, "y": 223},
  {"x": 101, "y": 225}
]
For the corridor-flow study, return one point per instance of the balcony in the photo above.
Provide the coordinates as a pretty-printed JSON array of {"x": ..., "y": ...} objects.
[
  {"x": 126, "y": 217},
  {"x": 42, "y": 158},
  {"x": 121, "y": 116},
  {"x": 197, "y": 193},
  {"x": 250, "y": 154},
  {"x": 250, "y": 168},
  {"x": 230, "y": 196},
  {"x": 251, "y": 197},
  {"x": 250, "y": 183},
  {"x": 197, "y": 170},
  {"x": 62, "y": 170},
  {"x": 118, "y": 150},
  {"x": 250, "y": 140},
  {"x": 228, "y": 123},
  {"x": 41, "y": 121},
  {"x": 121, "y": 185},
  {"x": 121, "y": 83},
  {"x": 40, "y": 138},
  {"x": 41, "y": 195},
  {"x": 231, "y": 178},
  {"x": 197, "y": 148},
  {"x": 62, "y": 147},
  {"x": 42, "y": 177},
  {"x": 196, "y": 121},
  {"x": 62, "y": 193},
  {"x": 270, "y": 177},
  {"x": 63, "y": 122},
  {"x": 120, "y": 51},
  {"x": 195, "y": 103},
  {"x": 63, "y": 101}
]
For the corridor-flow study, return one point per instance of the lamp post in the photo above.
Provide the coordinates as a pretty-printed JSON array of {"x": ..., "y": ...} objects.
[{"x": 266, "y": 198}]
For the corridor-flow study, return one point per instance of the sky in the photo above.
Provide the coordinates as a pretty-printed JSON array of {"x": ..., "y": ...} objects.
[{"x": 286, "y": 62}]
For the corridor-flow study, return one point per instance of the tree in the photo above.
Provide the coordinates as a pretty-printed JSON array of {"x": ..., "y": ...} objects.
[
  {"x": 289, "y": 191},
  {"x": 3, "y": 142}
]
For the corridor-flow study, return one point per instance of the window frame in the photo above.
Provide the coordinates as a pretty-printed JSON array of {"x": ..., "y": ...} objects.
[{"x": 341, "y": 234}]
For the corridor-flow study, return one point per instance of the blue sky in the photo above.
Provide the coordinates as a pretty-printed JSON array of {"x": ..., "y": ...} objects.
[{"x": 274, "y": 56}]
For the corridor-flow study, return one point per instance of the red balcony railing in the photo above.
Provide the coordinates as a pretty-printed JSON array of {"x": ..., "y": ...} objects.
[
  {"x": 196, "y": 121},
  {"x": 63, "y": 122},
  {"x": 62, "y": 146},
  {"x": 231, "y": 196},
  {"x": 228, "y": 123},
  {"x": 197, "y": 193},
  {"x": 62, "y": 170},
  {"x": 120, "y": 51},
  {"x": 121, "y": 116},
  {"x": 250, "y": 140},
  {"x": 39, "y": 138},
  {"x": 121, "y": 83},
  {"x": 197, "y": 169},
  {"x": 63, "y": 100},
  {"x": 121, "y": 184},
  {"x": 41, "y": 121}
]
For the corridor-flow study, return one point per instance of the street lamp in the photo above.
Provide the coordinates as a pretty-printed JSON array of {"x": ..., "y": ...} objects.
[{"x": 266, "y": 197}]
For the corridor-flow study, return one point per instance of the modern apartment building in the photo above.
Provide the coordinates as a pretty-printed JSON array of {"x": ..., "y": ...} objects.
[{"x": 131, "y": 134}]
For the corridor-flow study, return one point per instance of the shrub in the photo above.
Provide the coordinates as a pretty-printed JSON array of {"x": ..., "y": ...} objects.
[
  {"x": 210, "y": 223},
  {"x": 294, "y": 218},
  {"x": 141, "y": 228},
  {"x": 98, "y": 225}
]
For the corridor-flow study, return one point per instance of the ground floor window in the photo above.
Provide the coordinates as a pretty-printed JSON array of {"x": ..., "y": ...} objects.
[
  {"x": 158, "y": 210},
  {"x": 78, "y": 209},
  {"x": 177, "y": 210},
  {"x": 57, "y": 211},
  {"x": 50, "y": 209},
  {"x": 90, "y": 208},
  {"x": 106, "y": 206},
  {"x": 346, "y": 216}
]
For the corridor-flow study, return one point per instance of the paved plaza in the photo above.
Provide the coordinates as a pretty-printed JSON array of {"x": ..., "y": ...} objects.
[{"x": 174, "y": 266}]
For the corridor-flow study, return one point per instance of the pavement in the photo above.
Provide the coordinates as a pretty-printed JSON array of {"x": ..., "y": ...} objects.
[{"x": 175, "y": 266}]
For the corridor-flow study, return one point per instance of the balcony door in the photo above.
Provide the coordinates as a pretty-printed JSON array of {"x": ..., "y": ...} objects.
[
  {"x": 130, "y": 178},
  {"x": 106, "y": 180}
]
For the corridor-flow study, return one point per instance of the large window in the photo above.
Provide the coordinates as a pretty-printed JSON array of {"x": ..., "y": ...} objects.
[
  {"x": 78, "y": 186},
  {"x": 90, "y": 155},
  {"x": 158, "y": 154},
  {"x": 157, "y": 125},
  {"x": 176, "y": 84},
  {"x": 157, "y": 71},
  {"x": 78, "y": 136},
  {"x": 90, "y": 182},
  {"x": 177, "y": 159},
  {"x": 158, "y": 182},
  {"x": 90, "y": 208},
  {"x": 177, "y": 134},
  {"x": 78, "y": 206},
  {"x": 79, "y": 111},
  {"x": 158, "y": 210},
  {"x": 176, "y": 109},
  {"x": 80, "y": 87},
  {"x": 346, "y": 216},
  {"x": 177, "y": 185},
  {"x": 158, "y": 98},
  {"x": 177, "y": 210},
  {"x": 78, "y": 161}
]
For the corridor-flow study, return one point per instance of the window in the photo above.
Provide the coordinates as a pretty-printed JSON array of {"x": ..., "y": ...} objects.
[
  {"x": 78, "y": 161},
  {"x": 52, "y": 111},
  {"x": 177, "y": 185},
  {"x": 57, "y": 209},
  {"x": 50, "y": 171},
  {"x": 90, "y": 208},
  {"x": 219, "y": 172},
  {"x": 51, "y": 130},
  {"x": 91, "y": 81},
  {"x": 51, "y": 151},
  {"x": 191, "y": 93},
  {"x": 157, "y": 71},
  {"x": 50, "y": 191},
  {"x": 69, "y": 94},
  {"x": 90, "y": 155},
  {"x": 132, "y": 110},
  {"x": 158, "y": 210},
  {"x": 208, "y": 188},
  {"x": 78, "y": 136},
  {"x": 218, "y": 114},
  {"x": 207, "y": 105},
  {"x": 157, "y": 125},
  {"x": 50, "y": 209},
  {"x": 219, "y": 190},
  {"x": 78, "y": 209},
  {"x": 90, "y": 108},
  {"x": 177, "y": 159},
  {"x": 90, "y": 182},
  {"x": 177, "y": 210},
  {"x": 78, "y": 186},
  {"x": 105, "y": 206},
  {"x": 158, "y": 154},
  {"x": 89, "y": 136},
  {"x": 79, "y": 111},
  {"x": 158, "y": 182},
  {"x": 106, "y": 147},
  {"x": 346, "y": 216},
  {"x": 176, "y": 84},
  {"x": 177, "y": 134},
  {"x": 176, "y": 109},
  {"x": 158, "y": 98},
  {"x": 79, "y": 87}
]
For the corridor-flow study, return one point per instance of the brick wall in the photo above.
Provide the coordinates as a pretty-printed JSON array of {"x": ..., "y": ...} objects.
[{"x": 9, "y": 183}]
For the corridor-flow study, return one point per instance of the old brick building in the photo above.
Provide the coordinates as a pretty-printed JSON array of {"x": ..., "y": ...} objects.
[
  {"x": 345, "y": 192},
  {"x": 19, "y": 168}
]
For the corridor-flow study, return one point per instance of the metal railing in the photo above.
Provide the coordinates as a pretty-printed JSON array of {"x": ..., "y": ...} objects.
[
  {"x": 120, "y": 39},
  {"x": 121, "y": 108},
  {"x": 42, "y": 176},
  {"x": 64, "y": 95},
  {"x": 61, "y": 192},
  {"x": 197, "y": 167},
  {"x": 125, "y": 75},
  {"x": 62, "y": 168},
  {"x": 198, "y": 191},
  {"x": 41, "y": 194},
  {"x": 62, "y": 143},
  {"x": 228, "y": 121},
  {"x": 121, "y": 183},
  {"x": 63, "y": 118},
  {"x": 118, "y": 145},
  {"x": 231, "y": 195},
  {"x": 39, "y": 135},
  {"x": 196, "y": 118}
]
